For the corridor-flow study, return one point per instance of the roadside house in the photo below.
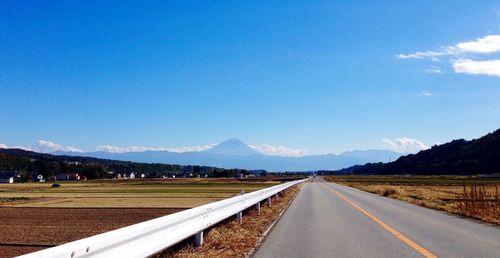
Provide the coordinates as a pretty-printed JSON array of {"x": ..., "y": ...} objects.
[
  {"x": 68, "y": 177},
  {"x": 8, "y": 177}
]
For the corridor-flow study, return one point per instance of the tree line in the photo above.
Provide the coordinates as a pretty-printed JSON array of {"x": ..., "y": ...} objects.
[{"x": 31, "y": 164}]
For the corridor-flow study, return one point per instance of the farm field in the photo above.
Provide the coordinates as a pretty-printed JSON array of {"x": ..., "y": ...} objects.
[
  {"x": 179, "y": 193},
  {"x": 468, "y": 196},
  {"x": 27, "y": 230},
  {"x": 36, "y": 216}
]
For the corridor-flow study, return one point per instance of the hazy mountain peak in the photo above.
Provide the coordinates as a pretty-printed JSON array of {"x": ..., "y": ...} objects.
[
  {"x": 233, "y": 141},
  {"x": 234, "y": 147}
]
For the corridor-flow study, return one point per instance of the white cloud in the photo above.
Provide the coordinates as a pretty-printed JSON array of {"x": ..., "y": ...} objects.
[
  {"x": 488, "y": 44},
  {"x": 116, "y": 149},
  {"x": 405, "y": 145},
  {"x": 489, "y": 67},
  {"x": 5, "y": 146},
  {"x": 191, "y": 148},
  {"x": 462, "y": 52},
  {"x": 434, "y": 70},
  {"x": 278, "y": 150},
  {"x": 72, "y": 149},
  {"x": 420, "y": 55},
  {"x": 47, "y": 147},
  {"x": 426, "y": 93}
]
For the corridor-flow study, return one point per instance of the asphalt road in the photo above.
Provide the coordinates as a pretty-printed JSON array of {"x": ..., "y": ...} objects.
[{"x": 330, "y": 220}]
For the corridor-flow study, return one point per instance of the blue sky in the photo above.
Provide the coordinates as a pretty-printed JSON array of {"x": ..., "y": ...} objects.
[{"x": 319, "y": 76}]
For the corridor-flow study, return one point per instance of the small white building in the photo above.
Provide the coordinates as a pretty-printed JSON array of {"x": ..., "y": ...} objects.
[
  {"x": 8, "y": 177},
  {"x": 40, "y": 178}
]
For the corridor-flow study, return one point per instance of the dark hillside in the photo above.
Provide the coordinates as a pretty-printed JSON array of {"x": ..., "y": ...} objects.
[{"x": 478, "y": 156}]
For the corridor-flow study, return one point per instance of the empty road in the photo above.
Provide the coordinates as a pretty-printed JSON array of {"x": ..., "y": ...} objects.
[{"x": 330, "y": 220}]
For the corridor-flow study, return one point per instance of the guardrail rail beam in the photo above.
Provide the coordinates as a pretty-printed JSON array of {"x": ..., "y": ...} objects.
[{"x": 150, "y": 237}]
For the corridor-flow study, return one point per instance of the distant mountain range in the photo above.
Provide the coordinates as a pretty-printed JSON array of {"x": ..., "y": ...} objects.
[
  {"x": 233, "y": 153},
  {"x": 478, "y": 156}
]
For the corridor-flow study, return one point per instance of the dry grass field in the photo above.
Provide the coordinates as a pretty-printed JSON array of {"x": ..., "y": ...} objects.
[
  {"x": 473, "y": 197},
  {"x": 179, "y": 193},
  {"x": 35, "y": 216}
]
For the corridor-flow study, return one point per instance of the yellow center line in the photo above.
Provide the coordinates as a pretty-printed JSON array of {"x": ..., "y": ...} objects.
[{"x": 393, "y": 231}]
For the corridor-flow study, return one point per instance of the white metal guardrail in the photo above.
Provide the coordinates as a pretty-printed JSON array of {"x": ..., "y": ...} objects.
[{"x": 152, "y": 236}]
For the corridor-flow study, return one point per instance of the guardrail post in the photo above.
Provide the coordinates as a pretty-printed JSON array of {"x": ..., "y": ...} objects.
[
  {"x": 239, "y": 216},
  {"x": 198, "y": 239},
  {"x": 258, "y": 207},
  {"x": 269, "y": 201}
]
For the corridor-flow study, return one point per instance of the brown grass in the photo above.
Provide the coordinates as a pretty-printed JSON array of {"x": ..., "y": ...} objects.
[
  {"x": 479, "y": 201},
  {"x": 232, "y": 239},
  {"x": 185, "y": 193}
]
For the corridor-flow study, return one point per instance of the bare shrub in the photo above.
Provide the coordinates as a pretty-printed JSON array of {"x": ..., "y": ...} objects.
[
  {"x": 389, "y": 191},
  {"x": 477, "y": 202}
]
